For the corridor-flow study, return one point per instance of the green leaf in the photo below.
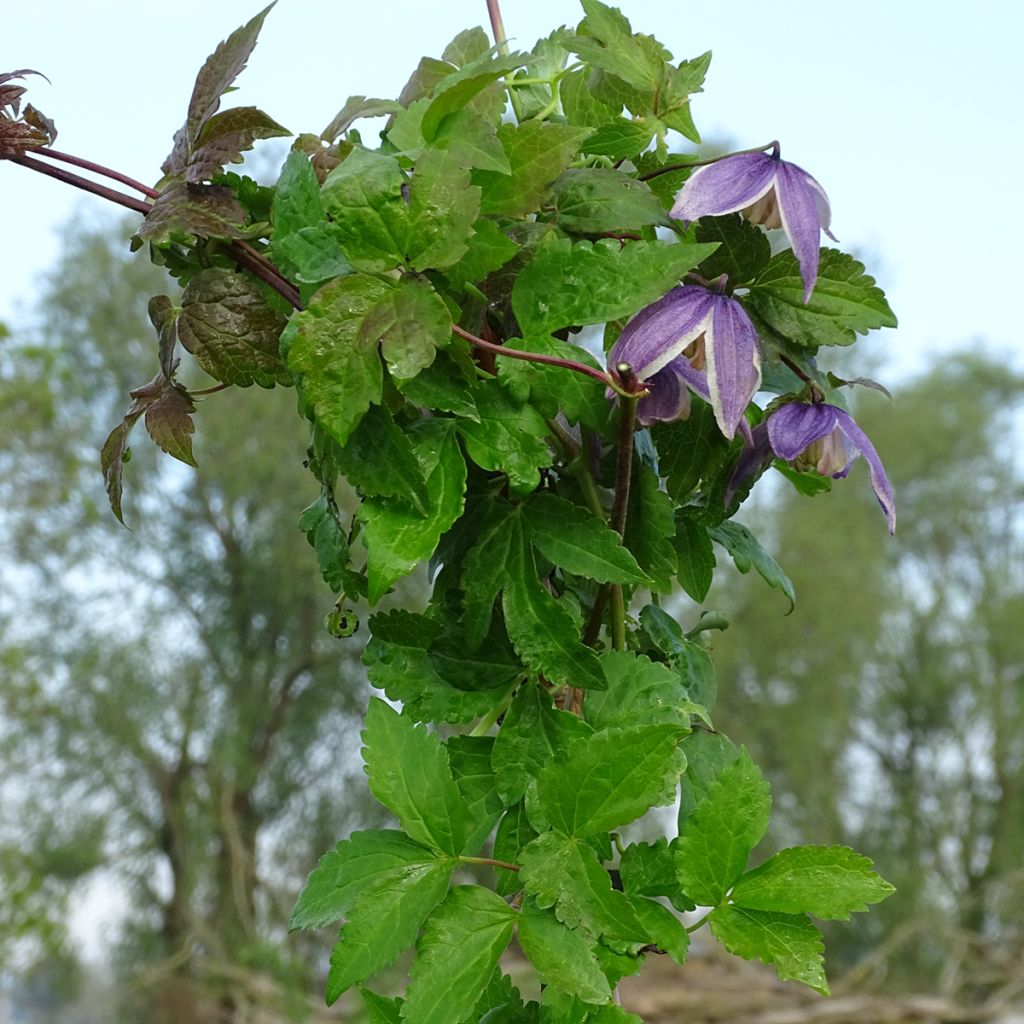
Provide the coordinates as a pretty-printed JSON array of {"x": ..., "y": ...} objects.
[
  {"x": 687, "y": 657},
  {"x": 442, "y": 208},
  {"x": 472, "y": 141},
  {"x": 650, "y": 528},
  {"x": 397, "y": 661},
  {"x": 493, "y": 665},
  {"x": 456, "y": 90},
  {"x": 456, "y": 955},
  {"x": 649, "y": 869},
  {"x": 640, "y": 692},
  {"x": 468, "y": 45},
  {"x": 514, "y": 832},
  {"x": 485, "y": 570},
  {"x": 337, "y": 368},
  {"x": 532, "y": 733},
  {"x": 619, "y": 139},
  {"x": 728, "y": 823},
  {"x": 553, "y": 389},
  {"x": 443, "y": 385},
  {"x": 561, "y": 956},
  {"x": 581, "y": 106},
  {"x": 363, "y": 196},
  {"x": 537, "y": 152},
  {"x": 788, "y": 942},
  {"x": 690, "y": 451},
  {"x": 845, "y": 301},
  {"x": 470, "y": 758},
  {"x": 319, "y": 522},
  {"x": 398, "y": 539},
  {"x": 542, "y": 631},
  {"x": 609, "y": 44},
  {"x": 509, "y": 438},
  {"x": 664, "y": 928},
  {"x": 489, "y": 249},
  {"x": 410, "y": 775},
  {"x": 356, "y": 107},
  {"x": 696, "y": 557},
  {"x": 379, "y": 461},
  {"x": 231, "y": 331},
  {"x": 595, "y": 200},
  {"x": 826, "y": 881},
  {"x": 708, "y": 754},
  {"x": 304, "y": 245},
  {"x": 610, "y": 778},
  {"x": 561, "y": 872},
  {"x": 570, "y": 284},
  {"x": 356, "y": 863},
  {"x": 674, "y": 99},
  {"x": 743, "y": 249},
  {"x": 575, "y": 539},
  {"x": 384, "y": 920},
  {"x": 746, "y": 551},
  {"x": 411, "y": 322},
  {"x": 381, "y": 1009}
]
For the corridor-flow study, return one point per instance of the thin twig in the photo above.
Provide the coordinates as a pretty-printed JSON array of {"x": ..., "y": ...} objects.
[
  {"x": 77, "y": 181},
  {"x": 88, "y": 165},
  {"x": 260, "y": 267}
]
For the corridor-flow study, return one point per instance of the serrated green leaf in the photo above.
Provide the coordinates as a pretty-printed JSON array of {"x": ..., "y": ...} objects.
[
  {"x": 230, "y": 330},
  {"x": 580, "y": 283},
  {"x": 537, "y": 152},
  {"x": 363, "y": 196},
  {"x": 650, "y": 528},
  {"x": 472, "y": 141},
  {"x": 356, "y": 863},
  {"x": 381, "y": 1009},
  {"x": 690, "y": 451},
  {"x": 552, "y": 389},
  {"x": 411, "y": 322},
  {"x": 746, "y": 551},
  {"x": 384, "y": 920},
  {"x": 610, "y": 778},
  {"x": 619, "y": 139},
  {"x": 649, "y": 869},
  {"x": 575, "y": 539},
  {"x": 581, "y": 106},
  {"x": 542, "y": 631},
  {"x": 379, "y": 461},
  {"x": 743, "y": 249},
  {"x": 356, "y": 107},
  {"x": 532, "y": 732},
  {"x": 561, "y": 872},
  {"x": 561, "y": 956},
  {"x": 410, "y": 775},
  {"x": 666, "y": 931},
  {"x": 456, "y": 90},
  {"x": 595, "y": 200},
  {"x": 485, "y": 570},
  {"x": 470, "y": 758},
  {"x": 708, "y": 754},
  {"x": 696, "y": 557},
  {"x": 828, "y": 882},
  {"x": 610, "y": 44},
  {"x": 456, "y": 955},
  {"x": 397, "y": 662},
  {"x": 467, "y": 46},
  {"x": 319, "y": 522},
  {"x": 640, "y": 692},
  {"x": 489, "y": 249},
  {"x": 514, "y": 832},
  {"x": 397, "y": 540},
  {"x": 687, "y": 657},
  {"x": 443, "y": 385},
  {"x": 788, "y": 942},
  {"x": 442, "y": 208},
  {"x": 718, "y": 836},
  {"x": 509, "y": 438},
  {"x": 337, "y": 370},
  {"x": 845, "y": 301},
  {"x": 493, "y": 665}
]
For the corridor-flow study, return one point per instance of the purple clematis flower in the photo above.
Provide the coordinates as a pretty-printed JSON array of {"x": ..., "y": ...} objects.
[
  {"x": 826, "y": 438},
  {"x": 766, "y": 190},
  {"x": 692, "y": 339}
]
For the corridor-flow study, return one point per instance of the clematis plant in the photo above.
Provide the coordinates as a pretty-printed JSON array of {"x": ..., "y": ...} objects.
[
  {"x": 698, "y": 339},
  {"x": 422, "y": 296},
  {"x": 767, "y": 190}
]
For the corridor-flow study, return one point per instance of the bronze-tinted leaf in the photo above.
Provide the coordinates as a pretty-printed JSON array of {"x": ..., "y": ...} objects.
[
  {"x": 225, "y": 137},
  {"x": 230, "y": 329},
  {"x": 113, "y": 456},
  {"x": 209, "y": 211},
  {"x": 169, "y": 421},
  {"x": 164, "y": 317}
]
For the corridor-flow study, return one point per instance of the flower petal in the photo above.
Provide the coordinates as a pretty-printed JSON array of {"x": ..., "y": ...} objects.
[
  {"x": 879, "y": 481},
  {"x": 801, "y": 220},
  {"x": 822, "y": 204},
  {"x": 733, "y": 362},
  {"x": 669, "y": 398},
  {"x": 756, "y": 457},
  {"x": 796, "y": 426},
  {"x": 725, "y": 186},
  {"x": 660, "y": 331}
]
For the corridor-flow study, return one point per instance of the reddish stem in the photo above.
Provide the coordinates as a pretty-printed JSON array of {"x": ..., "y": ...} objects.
[
  {"x": 88, "y": 165},
  {"x": 77, "y": 181},
  {"x": 534, "y": 357},
  {"x": 253, "y": 261}
]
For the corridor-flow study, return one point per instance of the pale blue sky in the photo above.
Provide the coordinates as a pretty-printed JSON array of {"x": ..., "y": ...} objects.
[{"x": 907, "y": 113}]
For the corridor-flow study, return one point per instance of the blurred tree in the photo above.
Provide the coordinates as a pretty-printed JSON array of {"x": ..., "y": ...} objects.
[
  {"x": 902, "y": 673},
  {"x": 174, "y": 708}
]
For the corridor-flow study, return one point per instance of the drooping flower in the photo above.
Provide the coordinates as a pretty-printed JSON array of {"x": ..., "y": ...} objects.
[
  {"x": 696, "y": 339},
  {"x": 826, "y": 438},
  {"x": 766, "y": 190}
]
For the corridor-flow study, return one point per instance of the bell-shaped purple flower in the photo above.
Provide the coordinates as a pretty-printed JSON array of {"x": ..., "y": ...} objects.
[
  {"x": 826, "y": 438},
  {"x": 766, "y": 190},
  {"x": 695, "y": 339}
]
